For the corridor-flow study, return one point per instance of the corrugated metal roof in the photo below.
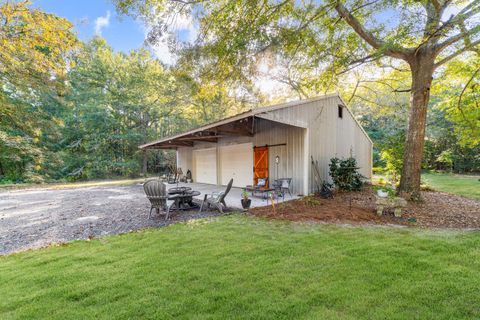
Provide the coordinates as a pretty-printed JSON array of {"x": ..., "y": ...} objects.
[{"x": 239, "y": 116}]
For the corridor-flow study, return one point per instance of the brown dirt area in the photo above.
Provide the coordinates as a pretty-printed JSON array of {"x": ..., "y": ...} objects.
[{"x": 437, "y": 210}]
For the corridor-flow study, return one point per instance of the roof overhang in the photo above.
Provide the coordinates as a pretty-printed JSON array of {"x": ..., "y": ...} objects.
[
  {"x": 241, "y": 124},
  {"x": 234, "y": 126}
]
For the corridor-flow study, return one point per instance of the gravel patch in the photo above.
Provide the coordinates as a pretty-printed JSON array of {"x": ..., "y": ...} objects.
[{"x": 36, "y": 218}]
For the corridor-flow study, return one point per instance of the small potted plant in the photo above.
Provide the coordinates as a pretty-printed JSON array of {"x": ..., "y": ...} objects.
[
  {"x": 246, "y": 201},
  {"x": 384, "y": 191}
]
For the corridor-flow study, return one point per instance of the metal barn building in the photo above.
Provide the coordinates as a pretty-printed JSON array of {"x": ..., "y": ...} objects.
[{"x": 278, "y": 141}]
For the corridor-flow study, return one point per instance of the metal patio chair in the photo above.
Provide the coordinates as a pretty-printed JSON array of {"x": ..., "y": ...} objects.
[
  {"x": 283, "y": 185},
  {"x": 286, "y": 185}
]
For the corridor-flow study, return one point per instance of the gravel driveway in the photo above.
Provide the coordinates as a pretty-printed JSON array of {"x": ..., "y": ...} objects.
[{"x": 38, "y": 217}]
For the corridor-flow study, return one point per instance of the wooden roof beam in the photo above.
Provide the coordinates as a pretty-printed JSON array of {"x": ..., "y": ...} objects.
[
  {"x": 171, "y": 144},
  {"x": 199, "y": 138},
  {"x": 238, "y": 128}
]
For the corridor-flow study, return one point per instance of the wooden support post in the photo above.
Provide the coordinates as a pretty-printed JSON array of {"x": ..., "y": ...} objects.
[{"x": 145, "y": 163}]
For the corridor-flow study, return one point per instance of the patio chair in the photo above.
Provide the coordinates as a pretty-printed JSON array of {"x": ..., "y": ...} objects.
[
  {"x": 217, "y": 199},
  {"x": 157, "y": 195},
  {"x": 284, "y": 185},
  {"x": 172, "y": 178}
]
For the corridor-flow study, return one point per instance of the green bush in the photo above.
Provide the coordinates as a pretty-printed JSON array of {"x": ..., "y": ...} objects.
[
  {"x": 378, "y": 170},
  {"x": 345, "y": 175},
  {"x": 392, "y": 155},
  {"x": 6, "y": 181}
]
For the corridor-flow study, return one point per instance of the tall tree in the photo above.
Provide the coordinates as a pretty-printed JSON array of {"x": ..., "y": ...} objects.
[
  {"x": 33, "y": 62},
  {"x": 116, "y": 102},
  {"x": 334, "y": 36},
  {"x": 424, "y": 52}
]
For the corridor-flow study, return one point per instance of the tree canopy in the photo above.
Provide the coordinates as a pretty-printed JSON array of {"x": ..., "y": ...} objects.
[
  {"x": 316, "y": 42},
  {"x": 73, "y": 110},
  {"x": 33, "y": 63}
]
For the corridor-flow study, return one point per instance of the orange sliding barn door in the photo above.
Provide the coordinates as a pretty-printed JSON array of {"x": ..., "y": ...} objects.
[{"x": 260, "y": 163}]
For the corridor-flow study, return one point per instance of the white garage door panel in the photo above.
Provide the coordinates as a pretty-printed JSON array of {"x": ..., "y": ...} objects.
[
  {"x": 205, "y": 165},
  {"x": 236, "y": 161}
]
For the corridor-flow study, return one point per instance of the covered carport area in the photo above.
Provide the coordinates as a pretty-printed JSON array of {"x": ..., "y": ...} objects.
[
  {"x": 248, "y": 146},
  {"x": 211, "y": 162}
]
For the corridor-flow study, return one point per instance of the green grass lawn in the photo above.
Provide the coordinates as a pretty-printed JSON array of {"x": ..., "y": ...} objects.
[
  {"x": 463, "y": 185},
  {"x": 243, "y": 267}
]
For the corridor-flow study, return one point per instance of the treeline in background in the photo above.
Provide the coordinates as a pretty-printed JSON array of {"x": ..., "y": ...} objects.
[{"x": 78, "y": 111}]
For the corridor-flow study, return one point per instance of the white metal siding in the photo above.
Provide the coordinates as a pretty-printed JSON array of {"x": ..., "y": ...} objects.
[
  {"x": 184, "y": 159},
  {"x": 236, "y": 161},
  {"x": 321, "y": 135},
  {"x": 205, "y": 162},
  {"x": 328, "y": 136},
  {"x": 351, "y": 140},
  {"x": 291, "y": 154}
]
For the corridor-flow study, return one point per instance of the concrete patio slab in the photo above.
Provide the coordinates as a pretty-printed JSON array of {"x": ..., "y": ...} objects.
[{"x": 234, "y": 196}]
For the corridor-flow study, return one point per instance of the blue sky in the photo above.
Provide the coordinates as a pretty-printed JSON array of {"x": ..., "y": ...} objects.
[
  {"x": 122, "y": 33},
  {"x": 92, "y": 17}
]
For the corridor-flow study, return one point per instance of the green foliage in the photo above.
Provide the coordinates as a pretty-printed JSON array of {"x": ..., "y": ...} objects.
[
  {"x": 33, "y": 60},
  {"x": 116, "y": 103},
  {"x": 458, "y": 95},
  {"x": 6, "y": 181},
  {"x": 445, "y": 146},
  {"x": 446, "y": 157},
  {"x": 378, "y": 170},
  {"x": 392, "y": 155},
  {"x": 111, "y": 104},
  {"x": 383, "y": 115},
  {"x": 345, "y": 175}
]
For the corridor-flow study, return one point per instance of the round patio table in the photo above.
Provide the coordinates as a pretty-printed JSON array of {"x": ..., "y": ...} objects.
[
  {"x": 184, "y": 201},
  {"x": 179, "y": 190}
]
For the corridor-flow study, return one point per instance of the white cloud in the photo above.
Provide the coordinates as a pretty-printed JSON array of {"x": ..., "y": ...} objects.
[
  {"x": 102, "y": 22},
  {"x": 266, "y": 79},
  {"x": 183, "y": 28},
  {"x": 162, "y": 52}
]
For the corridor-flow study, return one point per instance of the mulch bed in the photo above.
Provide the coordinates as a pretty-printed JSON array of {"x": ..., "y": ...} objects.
[{"x": 437, "y": 210}]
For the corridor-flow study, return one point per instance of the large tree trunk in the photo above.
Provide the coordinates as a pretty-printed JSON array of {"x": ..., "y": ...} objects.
[{"x": 422, "y": 71}]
